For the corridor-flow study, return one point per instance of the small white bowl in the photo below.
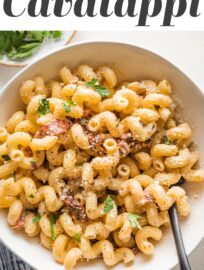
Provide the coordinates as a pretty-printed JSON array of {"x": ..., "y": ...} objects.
[
  {"x": 130, "y": 63},
  {"x": 48, "y": 45}
]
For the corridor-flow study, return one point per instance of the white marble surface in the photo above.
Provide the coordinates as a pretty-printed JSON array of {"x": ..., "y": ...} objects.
[{"x": 184, "y": 49}]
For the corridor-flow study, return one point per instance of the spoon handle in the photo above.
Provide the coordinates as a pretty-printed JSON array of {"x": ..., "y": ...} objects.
[{"x": 183, "y": 259}]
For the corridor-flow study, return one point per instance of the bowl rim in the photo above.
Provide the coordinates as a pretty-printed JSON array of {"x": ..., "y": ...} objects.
[
  {"x": 110, "y": 42},
  {"x": 92, "y": 42}
]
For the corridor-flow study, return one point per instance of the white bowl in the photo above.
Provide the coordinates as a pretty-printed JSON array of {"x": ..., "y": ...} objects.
[{"x": 130, "y": 63}]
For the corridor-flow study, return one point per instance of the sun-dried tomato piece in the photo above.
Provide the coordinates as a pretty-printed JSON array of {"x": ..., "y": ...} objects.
[
  {"x": 20, "y": 224},
  {"x": 88, "y": 113},
  {"x": 96, "y": 144},
  {"x": 76, "y": 208},
  {"x": 55, "y": 127},
  {"x": 135, "y": 250}
]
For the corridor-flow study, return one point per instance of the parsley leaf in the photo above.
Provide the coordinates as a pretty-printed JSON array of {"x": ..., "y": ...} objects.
[
  {"x": 166, "y": 140},
  {"x": 21, "y": 44},
  {"x": 77, "y": 237},
  {"x": 31, "y": 196},
  {"x": 101, "y": 90},
  {"x": 133, "y": 219},
  {"x": 36, "y": 35},
  {"x": 92, "y": 83},
  {"x": 109, "y": 204},
  {"x": 6, "y": 157},
  {"x": 16, "y": 56},
  {"x": 56, "y": 34},
  {"x": 68, "y": 104},
  {"x": 36, "y": 218},
  {"x": 53, "y": 219},
  {"x": 44, "y": 106}
]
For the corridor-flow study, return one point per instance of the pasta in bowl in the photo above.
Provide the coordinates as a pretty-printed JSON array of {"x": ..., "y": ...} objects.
[{"x": 90, "y": 166}]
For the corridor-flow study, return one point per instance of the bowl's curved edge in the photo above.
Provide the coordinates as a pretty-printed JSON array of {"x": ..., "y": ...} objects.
[{"x": 78, "y": 44}]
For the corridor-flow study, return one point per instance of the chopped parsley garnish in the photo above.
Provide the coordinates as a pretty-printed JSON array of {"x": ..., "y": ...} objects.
[
  {"x": 68, "y": 104},
  {"x": 92, "y": 83},
  {"x": 53, "y": 219},
  {"x": 109, "y": 204},
  {"x": 6, "y": 157},
  {"x": 101, "y": 90},
  {"x": 133, "y": 219},
  {"x": 77, "y": 237},
  {"x": 166, "y": 140},
  {"x": 31, "y": 196},
  {"x": 84, "y": 121},
  {"x": 36, "y": 218},
  {"x": 21, "y": 44},
  {"x": 44, "y": 107}
]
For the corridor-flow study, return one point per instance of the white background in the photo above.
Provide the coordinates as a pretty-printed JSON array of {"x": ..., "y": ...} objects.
[
  {"x": 185, "y": 22},
  {"x": 184, "y": 49}
]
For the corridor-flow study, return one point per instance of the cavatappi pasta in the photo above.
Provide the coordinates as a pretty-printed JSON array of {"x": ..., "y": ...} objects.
[{"x": 91, "y": 168}]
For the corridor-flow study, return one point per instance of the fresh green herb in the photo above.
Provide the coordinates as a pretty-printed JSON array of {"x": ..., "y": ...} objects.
[
  {"x": 44, "y": 106},
  {"x": 55, "y": 34},
  {"x": 36, "y": 218},
  {"x": 77, "y": 237},
  {"x": 31, "y": 196},
  {"x": 24, "y": 51},
  {"x": 166, "y": 140},
  {"x": 92, "y": 83},
  {"x": 21, "y": 44},
  {"x": 84, "y": 121},
  {"x": 68, "y": 104},
  {"x": 133, "y": 219},
  {"x": 109, "y": 204},
  {"x": 53, "y": 219},
  {"x": 101, "y": 90},
  {"x": 6, "y": 157}
]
